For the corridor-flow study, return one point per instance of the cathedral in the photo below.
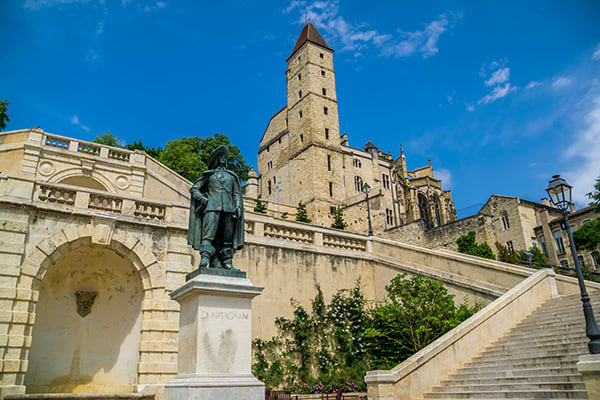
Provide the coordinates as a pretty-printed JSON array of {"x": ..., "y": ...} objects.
[{"x": 304, "y": 158}]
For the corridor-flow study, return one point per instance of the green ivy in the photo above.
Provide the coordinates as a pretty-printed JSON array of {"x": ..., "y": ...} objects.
[{"x": 260, "y": 206}]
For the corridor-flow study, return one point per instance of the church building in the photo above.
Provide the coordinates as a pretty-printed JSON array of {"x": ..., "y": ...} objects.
[{"x": 304, "y": 158}]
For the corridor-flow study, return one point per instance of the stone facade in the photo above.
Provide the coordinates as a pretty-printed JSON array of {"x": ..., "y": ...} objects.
[{"x": 302, "y": 153}]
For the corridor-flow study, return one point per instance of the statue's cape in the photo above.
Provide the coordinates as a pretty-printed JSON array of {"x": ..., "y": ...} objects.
[{"x": 195, "y": 222}]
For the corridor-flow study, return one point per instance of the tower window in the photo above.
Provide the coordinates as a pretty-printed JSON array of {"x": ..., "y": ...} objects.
[
  {"x": 328, "y": 162},
  {"x": 321, "y": 55},
  {"x": 300, "y": 114},
  {"x": 510, "y": 246},
  {"x": 356, "y": 162},
  {"x": 300, "y": 94},
  {"x": 326, "y": 133},
  {"x": 324, "y": 92},
  {"x": 358, "y": 184},
  {"x": 269, "y": 186},
  {"x": 322, "y": 73},
  {"x": 386, "y": 181},
  {"x": 269, "y": 165},
  {"x": 330, "y": 189},
  {"x": 301, "y": 138},
  {"x": 268, "y": 148},
  {"x": 505, "y": 222},
  {"x": 299, "y": 77},
  {"x": 389, "y": 217},
  {"x": 325, "y": 110}
]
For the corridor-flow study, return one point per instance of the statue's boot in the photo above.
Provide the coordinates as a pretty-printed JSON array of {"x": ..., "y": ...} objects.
[
  {"x": 226, "y": 255},
  {"x": 207, "y": 250}
]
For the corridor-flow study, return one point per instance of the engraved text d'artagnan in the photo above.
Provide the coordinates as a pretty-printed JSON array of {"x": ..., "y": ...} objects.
[{"x": 225, "y": 315}]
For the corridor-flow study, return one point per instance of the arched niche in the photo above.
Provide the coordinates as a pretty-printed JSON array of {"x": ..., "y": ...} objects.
[
  {"x": 424, "y": 210},
  {"x": 87, "y": 330},
  {"x": 83, "y": 181}
]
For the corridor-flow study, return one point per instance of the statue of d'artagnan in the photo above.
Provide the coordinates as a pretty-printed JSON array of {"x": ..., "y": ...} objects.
[{"x": 217, "y": 213}]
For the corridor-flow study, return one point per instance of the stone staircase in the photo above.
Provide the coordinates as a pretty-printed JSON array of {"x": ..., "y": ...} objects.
[{"x": 537, "y": 359}]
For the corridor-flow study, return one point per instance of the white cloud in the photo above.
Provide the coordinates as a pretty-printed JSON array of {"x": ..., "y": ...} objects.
[
  {"x": 499, "y": 76},
  {"x": 450, "y": 97},
  {"x": 497, "y": 93},
  {"x": 38, "y": 4},
  {"x": 445, "y": 176},
  {"x": 584, "y": 152},
  {"x": 532, "y": 84},
  {"x": 99, "y": 28},
  {"x": 470, "y": 107},
  {"x": 75, "y": 121},
  {"x": 596, "y": 55},
  {"x": 561, "y": 82},
  {"x": 357, "y": 36}
]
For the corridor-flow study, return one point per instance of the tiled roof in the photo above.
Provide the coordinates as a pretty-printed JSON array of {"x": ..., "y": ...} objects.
[{"x": 309, "y": 34}]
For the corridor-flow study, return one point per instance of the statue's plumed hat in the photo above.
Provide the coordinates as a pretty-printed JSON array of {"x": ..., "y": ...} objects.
[{"x": 216, "y": 153}]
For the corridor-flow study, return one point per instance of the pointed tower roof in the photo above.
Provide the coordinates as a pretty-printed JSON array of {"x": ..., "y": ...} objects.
[
  {"x": 309, "y": 34},
  {"x": 370, "y": 145}
]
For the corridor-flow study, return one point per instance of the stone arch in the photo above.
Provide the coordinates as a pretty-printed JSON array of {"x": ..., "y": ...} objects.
[
  {"x": 423, "y": 205},
  {"x": 47, "y": 252},
  {"x": 78, "y": 171},
  {"x": 437, "y": 206}
]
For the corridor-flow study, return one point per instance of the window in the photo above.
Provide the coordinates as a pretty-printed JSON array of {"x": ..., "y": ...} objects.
[
  {"x": 581, "y": 261},
  {"x": 510, "y": 246},
  {"x": 274, "y": 180},
  {"x": 596, "y": 258},
  {"x": 326, "y": 133},
  {"x": 269, "y": 165},
  {"x": 505, "y": 222},
  {"x": 300, "y": 94},
  {"x": 268, "y": 148},
  {"x": 325, "y": 110},
  {"x": 322, "y": 73},
  {"x": 301, "y": 137},
  {"x": 330, "y": 189},
  {"x": 356, "y": 162},
  {"x": 286, "y": 123},
  {"x": 324, "y": 92},
  {"x": 389, "y": 217},
  {"x": 321, "y": 55},
  {"x": 269, "y": 186},
  {"x": 328, "y": 162},
  {"x": 358, "y": 183},
  {"x": 543, "y": 243},
  {"x": 279, "y": 140},
  {"x": 300, "y": 114},
  {"x": 386, "y": 181},
  {"x": 299, "y": 77},
  {"x": 564, "y": 263},
  {"x": 533, "y": 242},
  {"x": 559, "y": 242},
  {"x": 332, "y": 210}
]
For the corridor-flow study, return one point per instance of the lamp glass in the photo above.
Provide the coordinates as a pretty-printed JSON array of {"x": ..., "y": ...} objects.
[{"x": 560, "y": 192}]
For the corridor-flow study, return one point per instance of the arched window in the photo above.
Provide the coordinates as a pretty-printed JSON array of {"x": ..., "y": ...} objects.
[
  {"x": 358, "y": 183},
  {"x": 423, "y": 207},
  {"x": 544, "y": 246},
  {"x": 596, "y": 258},
  {"x": 505, "y": 222},
  {"x": 438, "y": 210},
  {"x": 559, "y": 242}
]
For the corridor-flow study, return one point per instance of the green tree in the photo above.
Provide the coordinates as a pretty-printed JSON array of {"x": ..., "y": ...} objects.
[
  {"x": 109, "y": 139},
  {"x": 587, "y": 237},
  {"x": 4, "y": 118},
  {"x": 301, "y": 213},
  {"x": 466, "y": 244},
  {"x": 594, "y": 195},
  {"x": 507, "y": 255},
  {"x": 338, "y": 219},
  {"x": 153, "y": 152},
  {"x": 284, "y": 215},
  {"x": 260, "y": 206},
  {"x": 417, "y": 311},
  {"x": 188, "y": 156}
]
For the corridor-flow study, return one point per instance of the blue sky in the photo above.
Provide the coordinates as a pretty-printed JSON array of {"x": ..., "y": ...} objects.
[{"x": 499, "y": 94}]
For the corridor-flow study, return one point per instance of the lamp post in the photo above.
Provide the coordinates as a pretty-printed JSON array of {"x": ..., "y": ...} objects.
[
  {"x": 366, "y": 189},
  {"x": 560, "y": 195}
]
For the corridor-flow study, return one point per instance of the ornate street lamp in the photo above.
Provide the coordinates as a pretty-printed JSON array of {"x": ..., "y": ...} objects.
[
  {"x": 367, "y": 189},
  {"x": 560, "y": 195}
]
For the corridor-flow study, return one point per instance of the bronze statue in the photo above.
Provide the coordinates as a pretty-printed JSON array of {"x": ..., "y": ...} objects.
[{"x": 216, "y": 225}]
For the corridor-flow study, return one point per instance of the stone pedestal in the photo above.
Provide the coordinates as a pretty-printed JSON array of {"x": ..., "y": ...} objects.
[
  {"x": 215, "y": 340},
  {"x": 589, "y": 367}
]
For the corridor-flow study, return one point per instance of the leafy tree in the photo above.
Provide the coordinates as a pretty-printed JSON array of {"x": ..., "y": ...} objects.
[
  {"x": 260, "y": 206},
  {"x": 538, "y": 259},
  {"x": 188, "y": 156},
  {"x": 587, "y": 237},
  {"x": 417, "y": 311},
  {"x": 593, "y": 195},
  {"x": 153, "y": 152},
  {"x": 4, "y": 118},
  {"x": 109, "y": 139},
  {"x": 466, "y": 244},
  {"x": 338, "y": 219},
  {"x": 507, "y": 255},
  {"x": 284, "y": 215},
  {"x": 301, "y": 214}
]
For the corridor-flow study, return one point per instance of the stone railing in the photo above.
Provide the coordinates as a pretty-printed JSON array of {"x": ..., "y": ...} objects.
[
  {"x": 288, "y": 233},
  {"x": 90, "y": 199},
  {"x": 90, "y": 148}
]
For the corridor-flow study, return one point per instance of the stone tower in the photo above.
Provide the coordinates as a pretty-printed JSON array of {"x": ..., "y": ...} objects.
[{"x": 304, "y": 151}]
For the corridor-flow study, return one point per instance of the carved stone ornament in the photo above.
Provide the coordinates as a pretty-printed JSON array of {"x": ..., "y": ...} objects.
[{"x": 85, "y": 300}]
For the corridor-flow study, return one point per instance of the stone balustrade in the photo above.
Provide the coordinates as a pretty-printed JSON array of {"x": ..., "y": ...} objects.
[
  {"x": 91, "y": 148},
  {"x": 91, "y": 199}
]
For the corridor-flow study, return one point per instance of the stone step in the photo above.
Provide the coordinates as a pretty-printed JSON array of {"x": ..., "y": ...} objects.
[
  {"x": 573, "y": 346},
  {"x": 547, "y": 334},
  {"x": 513, "y": 386},
  {"x": 551, "y": 320},
  {"x": 549, "y": 342},
  {"x": 533, "y": 394},
  {"x": 522, "y": 365},
  {"x": 524, "y": 360},
  {"x": 508, "y": 373},
  {"x": 516, "y": 379},
  {"x": 531, "y": 352}
]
